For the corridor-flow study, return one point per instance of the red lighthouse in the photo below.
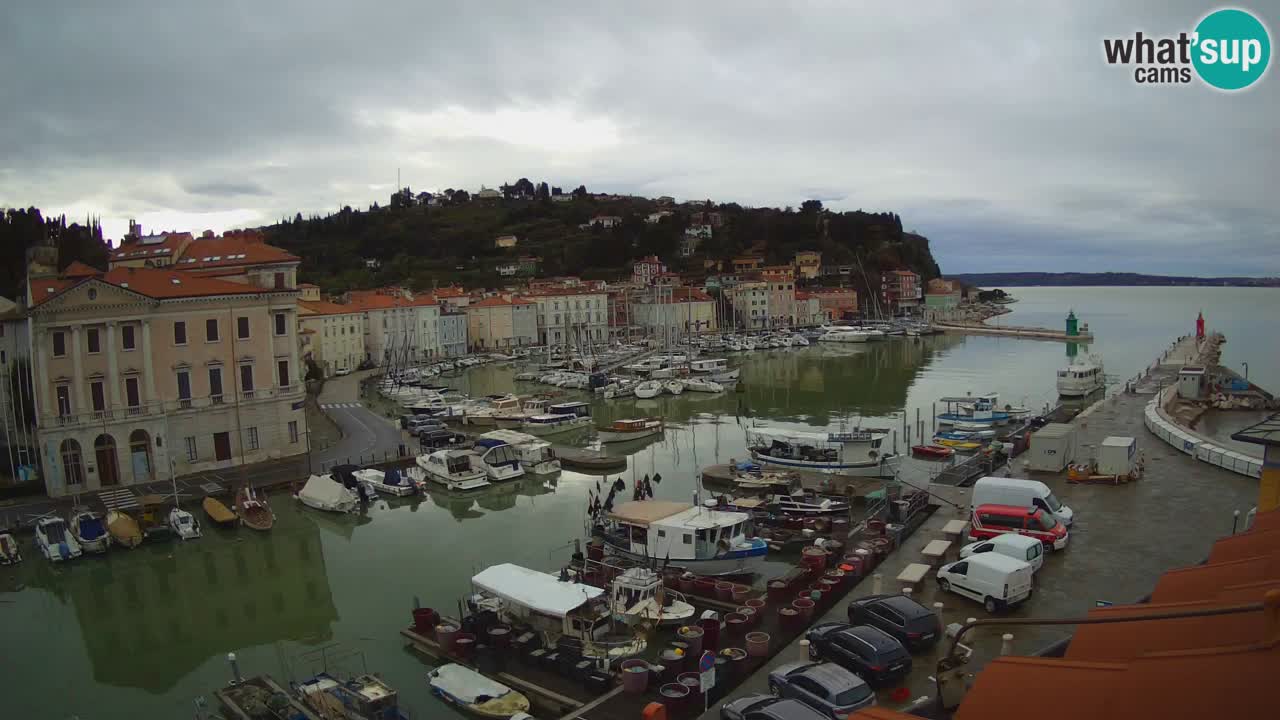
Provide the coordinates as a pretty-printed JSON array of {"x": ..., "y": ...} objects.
[{"x": 1200, "y": 326}]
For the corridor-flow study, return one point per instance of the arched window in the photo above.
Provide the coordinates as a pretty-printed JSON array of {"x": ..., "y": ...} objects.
[
  {"x": 140, "y": 456},
  {"x": 104, "y": 449},
  {"x": 72, "y": 463}
]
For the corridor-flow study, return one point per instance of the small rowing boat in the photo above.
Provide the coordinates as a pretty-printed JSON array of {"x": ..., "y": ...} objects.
[
  {"x": 254, "y": 512},
  {"x": 124, "y": 529},
  {"x": 933, "y": 452},
  {"x": 219, "y": 513},
  {"x": 630, "y": 429},
  {"x": 469, "y": 690}
]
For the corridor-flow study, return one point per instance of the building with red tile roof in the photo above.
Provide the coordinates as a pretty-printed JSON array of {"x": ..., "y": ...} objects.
[
  {"x": 239, "y": 255},
  {"x": 498, "y": 322}
]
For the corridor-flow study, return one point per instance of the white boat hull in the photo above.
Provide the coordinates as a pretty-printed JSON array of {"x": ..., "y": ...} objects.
[
  {"x": 884, "y": 468},
  {"x": 711, "y": 567},
  {"x": 612, "y": 436},
  {"x": 546, "y": 467},
  {"x": 542, "y": 430},
  {"x": 342, "y": 507}
]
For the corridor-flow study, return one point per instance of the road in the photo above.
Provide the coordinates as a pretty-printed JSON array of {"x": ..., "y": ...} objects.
[{"x": 366, "y": 437}]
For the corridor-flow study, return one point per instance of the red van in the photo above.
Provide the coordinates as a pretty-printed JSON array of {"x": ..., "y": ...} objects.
[{"x": 989, "y": 521}]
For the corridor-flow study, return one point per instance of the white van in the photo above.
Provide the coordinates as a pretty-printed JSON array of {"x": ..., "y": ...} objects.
[
  {"x": 1020, "y": 493},
  {"x": 1019, "y": 547},
  {"x": 997, "y": 581}
]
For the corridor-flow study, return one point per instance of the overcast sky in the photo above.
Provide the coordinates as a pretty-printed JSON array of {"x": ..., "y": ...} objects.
[{"x": 996, "y": 129}]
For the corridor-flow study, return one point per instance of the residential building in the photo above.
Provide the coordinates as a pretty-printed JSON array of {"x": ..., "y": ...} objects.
[
  {"x": 842, "y": 271},
  {"x": 656, "y": 217},
  {"x": 942, "y": 294},
  {"x": 563, "y": 197},
  {"x": 505, "y": 241},
  {"x": 507, "y": 269},
  {"x": 750, "y": 302},
  {"x": 485, "y": 193},
  {"x": 571, "y": 315},
  {"x": 808, "y": 264},
  {"x": 782, "y": 299},
  {"x": 372, "y": 264},
  {"x": 332, "y": 335},
  {"x": 666, "y": 200},
  {"x": 787, "y": 271},
  {"x": 674, "y": 312},
  {"x": 308, "y": 292},
  {"x": 714, "y": 219},
  {"x": 142, "y": 373},
  {"x": 604, "y": 221},
  {"x": 397, "y": 326},
  {"x": 809, "y": 310},
  {"x": 836, "y": 304},
  {"x": 499, "y": 322},
  {"x": 452, "y": 295},
  {"x": 644, "y": 270},
  {"x": 900, "y": 291},
  {"x": 712, "y": 265},
  {"x": 453, "y": 332},
  {"x": 748, "y": 263},
  {"x": 721, "y": 280},
  {"x": 528, "y": 264},
  {"x": 240, "y": 256},
  {"x": 20, "y": 452}
]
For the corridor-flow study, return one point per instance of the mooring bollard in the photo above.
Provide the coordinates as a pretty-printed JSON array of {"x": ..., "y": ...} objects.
[
  {"x": 906, "y": 591},
  {"x": 877, "y": 585},
  {"x": 937, "y": 609},
  {"x": 804, "y": 649},
  {"x": 1006, "y": 644}
]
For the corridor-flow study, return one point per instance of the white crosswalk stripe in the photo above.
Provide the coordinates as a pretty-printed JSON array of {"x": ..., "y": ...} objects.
[
  {"x": 118, "y": 499},
  {"x": 333, "y": 406}
]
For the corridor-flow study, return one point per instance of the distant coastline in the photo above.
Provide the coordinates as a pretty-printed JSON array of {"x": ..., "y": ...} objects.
[{"x": 1069, "y": 279}]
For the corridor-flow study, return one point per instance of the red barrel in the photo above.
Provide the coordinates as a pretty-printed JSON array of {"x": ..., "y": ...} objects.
[
  {"x": 693, "y": 681},
  {"x": 749, "y": 613},
  {"x": 706, "y": 587},
  {"x": 674, "y": 695},
  {"x": 756, "y": 604},
  {"x": 805, "y": 607},
  {"x": 710, "y": 634},
  {"x": 788, "y": 617},
  {"x": 595, "y": 551},
  {"x": 464, "y": 644},
  {"x": 741, "y": 593},
  {"x": 446, "y": 635},
  {"x": 686, "y": 582},
  {"x": 814, "y": 557},
  {"x": 425, "y": 621},
  {"x": 691, "y": 635},
  {"x": 724, "y": 590},
  {"x": 735, "y": 624},
  {"x": 778, "y": 590},
  {"x": 499, "y": 636}
]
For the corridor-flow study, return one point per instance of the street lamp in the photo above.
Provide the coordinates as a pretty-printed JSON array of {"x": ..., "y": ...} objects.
[{"x": 1246, "y": 371}]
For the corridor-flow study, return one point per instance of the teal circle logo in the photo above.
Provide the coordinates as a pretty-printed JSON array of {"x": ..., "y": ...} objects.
[{"x": 1232, "y": 49}]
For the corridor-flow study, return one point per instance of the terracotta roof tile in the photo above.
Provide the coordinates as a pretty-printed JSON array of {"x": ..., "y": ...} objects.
[
  {"x": 323, "y": 307},
  {"x": 231, "y": 250},
  {"x": 78, "y": 269},
  {"x": 158, "y": 283}
]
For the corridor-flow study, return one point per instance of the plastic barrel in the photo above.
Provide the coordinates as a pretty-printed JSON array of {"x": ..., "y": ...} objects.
[
  {"x": 749, "y": 613},
  {"x": 692, "y": 636},
  {"x": 425, "y": 621},
  {"x": 499, "y": 637},
  {"x": 710, "y": 634},
  {"x": 777, "y": 590},
  {"x": 635, "y": 676},
  {"x": 724, "y": 591},
  {"x": 741, "y": 593},
  {"x": 805, "y": 607},
  {"x": 735, "y": 624},
  {"x": 757, "y": 644},
  {"x": 788, "y": 617},
  {"x": 446, "y": 634},
  {"x": 674, "y": 695},
  {"x": 686, "y": 582},
  {"x": 464, "y": 644},
  {"x": 693, "y": 681}
]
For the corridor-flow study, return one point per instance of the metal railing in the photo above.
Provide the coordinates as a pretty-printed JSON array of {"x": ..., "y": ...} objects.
[{"x": 156, "y": 407}]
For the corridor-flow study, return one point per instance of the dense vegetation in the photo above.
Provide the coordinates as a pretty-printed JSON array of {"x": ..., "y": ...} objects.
[
  {"x": 21, "y": 229},
  {"x": 451, "y": 240}
]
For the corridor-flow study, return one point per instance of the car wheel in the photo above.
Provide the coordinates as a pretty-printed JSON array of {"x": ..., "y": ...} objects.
[
  {"x": 944, "y": 585},
  {"x": 773, "y": 690},
  {"x": 990, "y": 604},
  {"x": 813, "y": 652}
]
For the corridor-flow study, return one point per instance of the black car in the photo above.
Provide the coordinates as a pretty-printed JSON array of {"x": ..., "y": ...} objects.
[
  {"x": 914, "y": 625},
  {"x": 437, "y": 439},
  {"x": 768, "y": 707},
  {"x": 870, "y": 653}
]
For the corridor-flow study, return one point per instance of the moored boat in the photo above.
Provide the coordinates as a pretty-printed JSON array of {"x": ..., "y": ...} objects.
[
  {"x": 453, "y": 469},
  {"x": 648, "y": 389},
  {"x": 254, "y": 511},
  {"x": 124, "y": 529},
  {"x": 218, "y": 512},
  {"x": 553, "y": 424},
  {"x": 10, "y": 553},
  {"x": 500, "y": 460},
  {"x": 153, "y": 517},
  {"x": 323, "y": 492},
  {"x": 854, "y": 452},
  {"x": 935, "y": 452},
  {"x": 958, "y": 445},
  {"x": 55, "y": 541},
  {"x": 722, "y": 543},
  {"x": 90, "y": 530},
  {"x": 630, "y": 429},
  {"x": 363, "y": 697},
  {"x": 702, "y": 385},
  {"x": 675, "y": 387},
  {"x": 639, "y": 598},
  {"x": 390, "y": 482},
  {"x": 536, "y": 456},
  {"x": 468, "y": 690},
  {"x": 1081, "y": 377},
  {"x": 184, "y": 524}
]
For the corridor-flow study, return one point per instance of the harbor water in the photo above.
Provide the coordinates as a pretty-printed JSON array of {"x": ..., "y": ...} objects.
[{"x": 144, "y": 633}]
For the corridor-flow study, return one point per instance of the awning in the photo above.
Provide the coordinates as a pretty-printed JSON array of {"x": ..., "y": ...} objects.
[{"x": 535, "y": 590}]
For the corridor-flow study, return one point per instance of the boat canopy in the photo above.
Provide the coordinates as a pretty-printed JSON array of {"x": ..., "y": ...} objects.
[
  {"x": 465, "y": 685},
  {"x": 511, "y": 437},
  {"x": 91, "y": 527},
  {"x": 535, "y": 590},
  {"x": 325, "y": 490},
  {"x": 485, "y": 442},
  {"x": 646, "y": 512}
]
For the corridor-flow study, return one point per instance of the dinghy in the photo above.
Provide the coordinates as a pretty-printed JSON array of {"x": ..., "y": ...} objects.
[
  {"x": 630, "y": 429},
  {"x": 322, "y": 492},
  {"x": 124, "y": 529},
  {"x": 468, "y": 690},
  {"x": 219, "y": 513},
  {"x": 390, "y": 482},
  {"x": 648, "y": 389},
  {"x": 675, "y": 387}
]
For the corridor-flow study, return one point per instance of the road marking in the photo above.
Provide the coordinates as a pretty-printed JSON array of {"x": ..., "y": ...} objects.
[
  {"x": 334, "y": 406},
  {"x": 118, "y": 499}
]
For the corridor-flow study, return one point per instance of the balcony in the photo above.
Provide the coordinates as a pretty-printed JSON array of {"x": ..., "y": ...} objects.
[{"x": 158, "y": 408}]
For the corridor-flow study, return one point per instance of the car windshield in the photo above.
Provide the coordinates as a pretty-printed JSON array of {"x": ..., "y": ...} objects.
[
  {"x": 1052, "y": 501},
  {"x": 1047, "y": 521},
  {"x": 852, "y": 696}
]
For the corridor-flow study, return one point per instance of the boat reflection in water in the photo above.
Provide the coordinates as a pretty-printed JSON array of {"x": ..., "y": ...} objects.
[{"x": 495, "y": 498}]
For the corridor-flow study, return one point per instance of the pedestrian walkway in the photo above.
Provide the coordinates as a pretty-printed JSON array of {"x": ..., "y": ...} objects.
[
  {"x": 118, "y": 499},
  {"x": 332, "y": 406}
]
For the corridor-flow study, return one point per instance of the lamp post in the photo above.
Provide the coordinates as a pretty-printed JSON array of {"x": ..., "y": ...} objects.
[{"x": 1246, "y": 371}]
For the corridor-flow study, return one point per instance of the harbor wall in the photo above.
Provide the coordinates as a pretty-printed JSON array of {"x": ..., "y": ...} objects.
[{"x": 1193, "y": 443}]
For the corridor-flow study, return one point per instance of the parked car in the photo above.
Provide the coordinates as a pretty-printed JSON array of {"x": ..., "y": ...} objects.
[
  {"x": 407, "y": 421},
  {"x": 825, "y": 687},
  {"x": 1020, "y": 493},
  {"x": 997, "y": 581},
  {"x": 868, "y": 652},
  {"x": 1019, "y": 547},
  {"x": 436, "y": 439},
  {"x": 417, "y": 427},
  {"x": 768, "y": 707},
  {"x": 914, "y": 625},
  {"x": 342, "y": 371},
  {"x": 989, "y": 521}
]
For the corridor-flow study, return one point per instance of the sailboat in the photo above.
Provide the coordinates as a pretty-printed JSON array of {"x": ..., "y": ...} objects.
[{"x": 255, "y": 513}]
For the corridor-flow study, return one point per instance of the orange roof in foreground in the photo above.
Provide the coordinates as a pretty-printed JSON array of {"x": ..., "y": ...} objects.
[
  {"x": 158, "y": 283},
  {"x": 1203, "y": 667}
]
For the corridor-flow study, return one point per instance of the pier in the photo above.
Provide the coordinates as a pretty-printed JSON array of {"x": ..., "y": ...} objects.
[{"x": 1072, "y": 332}]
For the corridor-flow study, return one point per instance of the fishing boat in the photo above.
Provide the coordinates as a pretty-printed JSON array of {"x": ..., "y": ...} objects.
[
  {"x": 55, "y": 541},
  {"x": 363, "y": 697},
  {"x": 454, "y": 469},
  {"x": 254, "y": 512},
  {"x": 500, "y": 460},
  {"x": 153, "y": 518},
  {"x": 714, "y": 369},
  {"x": 648, "y": 389},
  {"x": 853, "y": 452},
  {"x": 511, "y": 419},
  {"x": 184, "y": 524},
  {"x": 702, "y": 385},
  {"x": 701, "y": 540},
  {"x": 390, "y": 482},
  {"x": 639, "y": 598},
  {"x": 1081, "y": 377},
  {"x": 536, "y": 456},
  {"x": 219, "y": 513},
  {"x": 554, "y": 424},
  {"x": 261, "y": 698},
  {"x": 675, "y": 387},
  {"x": 323, "y": 492},
  {"x": 472, "y": 692},
  {"x": 89, "y": 529},
  {"x": 10, "y": 552},
  {"x": 562, "y": 611},
  {"x": 973, "y": 411},
  {"x": 933, "y": 452},
  {"x": 630, "y": 429},
  {"x": 124, "y": 529}
]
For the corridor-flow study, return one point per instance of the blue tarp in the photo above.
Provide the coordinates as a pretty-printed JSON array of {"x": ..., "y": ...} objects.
[
  {"x": 91, "y": 528},
  {"x": 391, "y": 477},
  {"x": 490, "y": 443}
]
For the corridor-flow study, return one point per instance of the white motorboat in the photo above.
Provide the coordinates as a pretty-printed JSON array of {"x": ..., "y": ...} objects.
[
  {"x": 323, "y": 492},
  {"x": 639, "y": 597},
  {"x": 703, "y": 385},
  {"x": 798, "y": 340},
  {"x": 475, "y": 694},
  {"x": 675, "y": 387},
  {"x": 391, "y": 482},
  {"x": 454, "y": 469},
  {"x": 514, "y": 418},
  {"x": 846, "y": 334},
  {"x": 90, "y": 530},
  {"x": 1082, "y": 377},
  {"x": 499, "y": 460},
  {"x": 542, "y": 425},
  {"x": 715, "y": 369},
  {"x": 536, "y": 456},
  {"x": 855, "y": 452},
  {"x": 184, "y": 524},
  {"x": 648, "y": 389},
  {"x": 644, "y": 531},
  {"x": 974, "y": 412},
  {"x": 55, "y": 541},
  {"x": 10, "y": 553},
  {"x": 630, "y": 429}
]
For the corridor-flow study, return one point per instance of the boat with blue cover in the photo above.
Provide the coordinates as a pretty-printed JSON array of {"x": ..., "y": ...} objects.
[
  {"x": 500, "y": 459},
  {"x": 90, "y": 530}
]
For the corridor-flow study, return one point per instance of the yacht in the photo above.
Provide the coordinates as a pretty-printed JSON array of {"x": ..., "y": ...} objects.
[
  {"x": 542, "y": 425},
  {"x": 55, "y": 540},
  {"x": 630, "y": 429},
  {"x": 390, "y": 482},
  {"x": 500, "y": 460},
  {"x": 1081, "y": 378},
  {"x": 454, "y": 469},
  {"x": 846, "y": 334},
  {"x": 90, "y": 530},
  {"x": 855, "y": 452},
  {"x": 536, "y": 456},
  {"x": 648, "y": 389},
  {"x": 699, "y": 539}
]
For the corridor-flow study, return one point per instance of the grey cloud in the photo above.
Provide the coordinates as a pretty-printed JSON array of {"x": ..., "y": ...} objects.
[{"x": 993, "y": 127}]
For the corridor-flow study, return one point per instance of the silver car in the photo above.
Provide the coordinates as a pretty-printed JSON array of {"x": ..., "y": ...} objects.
[
  {"x": 768, "y": 707},
  {"x": 825, "y": 687}
]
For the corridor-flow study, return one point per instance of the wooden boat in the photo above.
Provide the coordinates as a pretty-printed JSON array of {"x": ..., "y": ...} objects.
[
  {"x": 630, "y": 429},
  {"x": 261, "y": 698},
  {"x": 254, "y": 512},
  {"x": 124, "y": 529},
  {"x": 958, "y": 445},
  {"x": 219, "y": 513},
  {"x": 468, "y": 690},
  {"x": 937, "y": 452},
  {"x": 364, "y": 697}
]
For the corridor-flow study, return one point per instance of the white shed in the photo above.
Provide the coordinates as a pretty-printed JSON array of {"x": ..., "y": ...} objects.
[
  {"x": 1117, "y": 456},
  {"x": 1052, "y": 448}
]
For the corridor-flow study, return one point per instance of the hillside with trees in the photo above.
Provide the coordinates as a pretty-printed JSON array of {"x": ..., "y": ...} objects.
[
  {"x": 23, "y": 228},
  {"x": 421, "y": 240}
]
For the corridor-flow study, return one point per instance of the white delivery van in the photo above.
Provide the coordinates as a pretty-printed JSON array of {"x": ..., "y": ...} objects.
[
  {"x": 1020, "y": 493},
  {"x": 997, "y": 581},
  {"x": 1019, "y": 547}
]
